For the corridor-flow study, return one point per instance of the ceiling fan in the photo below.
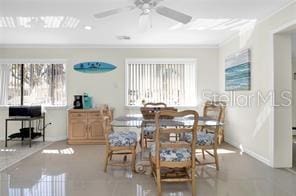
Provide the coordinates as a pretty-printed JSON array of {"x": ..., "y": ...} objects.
[{"x": 147, "y": 6}]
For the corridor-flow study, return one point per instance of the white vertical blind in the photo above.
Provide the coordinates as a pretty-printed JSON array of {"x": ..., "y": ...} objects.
[{"x": 172, "y": 81}]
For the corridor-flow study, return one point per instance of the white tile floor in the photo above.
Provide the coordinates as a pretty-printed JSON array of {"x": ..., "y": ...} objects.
[
  {"x": 64, "y": 170},
  {"x": 17, "y": 151}
]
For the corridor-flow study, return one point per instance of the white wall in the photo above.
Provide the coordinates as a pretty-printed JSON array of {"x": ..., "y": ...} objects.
[
  {"x": 108, "y": 88},
  {"x": 252, "y": 127}
]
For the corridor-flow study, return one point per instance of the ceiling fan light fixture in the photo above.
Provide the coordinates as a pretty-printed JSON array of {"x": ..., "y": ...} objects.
[
  {"x": 146, "y": 8},
  {"x": 146, "y": 11},
  {"x": 144, "y": 22}
]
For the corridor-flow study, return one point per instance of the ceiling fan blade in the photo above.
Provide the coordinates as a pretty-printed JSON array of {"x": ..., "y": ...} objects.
[
  {"x": 113, "y": 11},
  {"x": 173, "y": 14}
]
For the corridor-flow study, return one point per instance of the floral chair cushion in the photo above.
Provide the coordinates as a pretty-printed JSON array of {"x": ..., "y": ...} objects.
[
  {"x": 172, "y": 155},
  {"x": 149, "y": 131},
  {"x": 202, "y": 138},
  {"x": 122, "y": 138}
]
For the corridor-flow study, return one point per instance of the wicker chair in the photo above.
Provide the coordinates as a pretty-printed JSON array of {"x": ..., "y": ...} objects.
[
  {"x": 207, "y": 137},
  {"x": 174, "y": 161},
  {"x": 160, "y": 104},
  {"x": 223, "y": 104},
  {"x": 119, "y": 143},
  {"x": 148, "y": 129}
]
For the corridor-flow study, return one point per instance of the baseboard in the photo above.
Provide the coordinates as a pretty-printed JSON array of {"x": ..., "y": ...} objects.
[
  {"x": 249, "y": 152},
  {"x": 291, "y": 170},
  {"x": 55, "y": 139}
]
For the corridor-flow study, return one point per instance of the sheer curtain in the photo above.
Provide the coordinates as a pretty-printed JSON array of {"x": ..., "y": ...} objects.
[
  {"x": 44, "y": 84},
  {"x": 4, "y": 83}
]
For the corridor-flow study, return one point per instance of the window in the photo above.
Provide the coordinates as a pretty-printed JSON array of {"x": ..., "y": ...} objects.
[
  {"x": 172, "y": 81},
  {"x": 29, "y": 84}
]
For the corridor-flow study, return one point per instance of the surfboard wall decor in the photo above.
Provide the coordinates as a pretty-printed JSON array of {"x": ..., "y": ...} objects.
[{"x": 94, "y": 67}]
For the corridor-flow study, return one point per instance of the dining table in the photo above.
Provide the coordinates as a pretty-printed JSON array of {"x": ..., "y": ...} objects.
[{"x": 137, "y": 121}]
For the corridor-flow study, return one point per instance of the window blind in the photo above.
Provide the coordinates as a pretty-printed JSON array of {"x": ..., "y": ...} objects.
[{"x": 156, "y": 80}]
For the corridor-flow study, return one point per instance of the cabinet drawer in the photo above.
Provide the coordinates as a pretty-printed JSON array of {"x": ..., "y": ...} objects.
[
  {"x": 94, "y": 115},
  {"x": 78, "y": 115}
]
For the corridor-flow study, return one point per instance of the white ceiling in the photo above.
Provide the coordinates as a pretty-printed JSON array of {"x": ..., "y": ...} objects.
[{"x": 106, "y": 30}]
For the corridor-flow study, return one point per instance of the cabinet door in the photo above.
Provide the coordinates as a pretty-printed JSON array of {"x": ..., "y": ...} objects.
[
  {"x": 96, "y": 129},
  {"x": 78, "y": 129}
]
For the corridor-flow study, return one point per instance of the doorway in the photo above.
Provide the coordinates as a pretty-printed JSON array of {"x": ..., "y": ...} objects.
[{"x": 284, "y": 80}]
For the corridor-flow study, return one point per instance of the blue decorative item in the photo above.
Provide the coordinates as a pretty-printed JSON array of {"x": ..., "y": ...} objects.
[
  {"x": 87, "y": 101},
  {"x": 94, "y": 67}
]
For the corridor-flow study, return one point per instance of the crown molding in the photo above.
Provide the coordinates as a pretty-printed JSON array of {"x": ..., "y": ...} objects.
[
  {"x": 29, "y": 60},
  {"x": 229, "y": 39},
  {"x": 236, "y": 35},
  {"x": 284, "y": 6},
  {"x": 94, "y": 46}
]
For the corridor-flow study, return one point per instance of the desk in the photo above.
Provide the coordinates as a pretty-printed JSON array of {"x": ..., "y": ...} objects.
[
  {"x": 29, "y": 119},
  {"x": 137, "y": 121}
]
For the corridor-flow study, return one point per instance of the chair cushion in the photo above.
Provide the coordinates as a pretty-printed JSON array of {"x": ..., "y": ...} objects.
[
  {"x": 122, "y": 138},
  {"x": 149, "y": 131},
  {"x": 172, "y": 155},
  {"x": 202, "y": 138}
]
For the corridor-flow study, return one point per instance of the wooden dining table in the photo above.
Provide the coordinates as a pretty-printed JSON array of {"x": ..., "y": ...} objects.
[{"x": 137, "y": 121}]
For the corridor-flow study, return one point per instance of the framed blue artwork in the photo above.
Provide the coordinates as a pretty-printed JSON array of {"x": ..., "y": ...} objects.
[
  {"x": 94, "y": 67},
  {"x": 238, "y": 71}
]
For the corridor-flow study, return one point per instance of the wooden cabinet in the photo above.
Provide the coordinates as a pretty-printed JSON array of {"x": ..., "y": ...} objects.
[
  {"x": 85, "y": 126},
  {"x": 78, "y": 129},
  {"x": 95, "y": 125}
]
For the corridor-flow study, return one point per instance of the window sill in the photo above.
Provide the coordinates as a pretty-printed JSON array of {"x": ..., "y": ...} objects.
[{"x": 63, "y": 107}]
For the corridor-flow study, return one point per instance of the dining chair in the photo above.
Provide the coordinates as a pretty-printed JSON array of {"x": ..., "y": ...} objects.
[
  {"x": 107, "y": 111},
  {"x": 151, "y": 104},
  {"x": 206, "y": 137},
  {"x": 148, "y": 129},
  {"x": 223, "y": 104},
  {"x": 174, "y": 160},
  {"x": 119, "y": 143}
]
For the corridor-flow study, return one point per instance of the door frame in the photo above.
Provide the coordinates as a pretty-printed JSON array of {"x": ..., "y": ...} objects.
[{"x": 276, "y": 146}]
